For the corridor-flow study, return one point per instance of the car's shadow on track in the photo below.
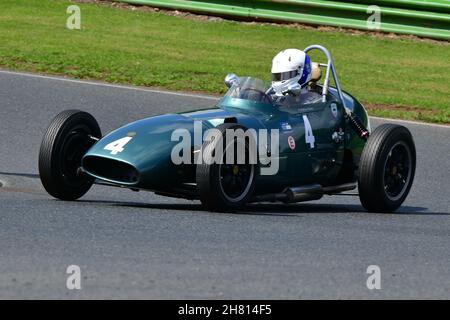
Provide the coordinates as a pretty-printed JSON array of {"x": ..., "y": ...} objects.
[
  {"x": 328, "y": 208},
  {"x": 262, "y": 209},
  {"x": 24, "y": 175},
  {"x": 269, "y": 209}
]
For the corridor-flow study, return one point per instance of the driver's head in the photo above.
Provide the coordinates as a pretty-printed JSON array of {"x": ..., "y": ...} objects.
[{"x": 290, "y": 66}]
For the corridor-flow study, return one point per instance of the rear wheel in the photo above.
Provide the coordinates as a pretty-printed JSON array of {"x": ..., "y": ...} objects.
[
  {"x": 70, "y": 134},
  {"x": 386, "y": 169},
  {"x": 223, "y": 186}
]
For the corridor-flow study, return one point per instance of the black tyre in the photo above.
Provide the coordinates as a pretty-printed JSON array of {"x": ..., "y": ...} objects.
[
  {"x": 386, "y": 168},
  {"x": 226, "y": 187},
  {"x": 66, "y": 140}
]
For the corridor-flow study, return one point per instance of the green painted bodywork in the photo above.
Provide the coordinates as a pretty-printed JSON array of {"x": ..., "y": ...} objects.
[{"x": 150, "y": 148}]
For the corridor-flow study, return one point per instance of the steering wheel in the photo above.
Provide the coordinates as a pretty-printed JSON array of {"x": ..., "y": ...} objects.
[{"x": 255, "y": 95}]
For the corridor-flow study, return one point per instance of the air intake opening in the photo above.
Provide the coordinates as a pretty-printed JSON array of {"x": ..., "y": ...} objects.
[{"x": 110, "y": 169}]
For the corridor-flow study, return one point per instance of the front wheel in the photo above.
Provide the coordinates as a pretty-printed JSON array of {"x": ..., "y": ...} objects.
[
  {"x": 222, "y": 185},
  {"x": 70, "y": 134},
  {"x": 386, "y": 169}
]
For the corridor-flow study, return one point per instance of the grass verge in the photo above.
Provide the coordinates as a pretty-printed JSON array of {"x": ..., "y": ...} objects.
[{"x": 399, "y": 78}]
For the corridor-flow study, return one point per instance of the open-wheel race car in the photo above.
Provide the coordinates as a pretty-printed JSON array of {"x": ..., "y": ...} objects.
[{"x": 324, "y": 146}]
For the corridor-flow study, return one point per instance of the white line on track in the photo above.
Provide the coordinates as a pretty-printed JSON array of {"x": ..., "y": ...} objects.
[
  {"x": 413, "y": 122},
  {"x": 181, "y": 94},
  {"x": 102, "y": 84}
]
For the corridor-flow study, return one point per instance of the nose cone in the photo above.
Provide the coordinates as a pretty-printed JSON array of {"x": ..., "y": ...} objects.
[{"x": 137, "y": 154}]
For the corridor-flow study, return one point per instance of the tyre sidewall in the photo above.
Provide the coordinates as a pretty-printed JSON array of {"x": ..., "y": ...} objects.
[
  {"x": 52, "y": 150},
  {"x": 372, "y": 192},
  {"x": 208, "y": 177}
]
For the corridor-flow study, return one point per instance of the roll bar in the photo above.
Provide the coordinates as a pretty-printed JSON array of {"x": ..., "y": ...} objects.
[{"x": 330, "y": 68}]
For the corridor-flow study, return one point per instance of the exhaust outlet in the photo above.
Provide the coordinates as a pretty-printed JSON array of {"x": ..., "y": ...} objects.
[{"x": 304, "y": 193}]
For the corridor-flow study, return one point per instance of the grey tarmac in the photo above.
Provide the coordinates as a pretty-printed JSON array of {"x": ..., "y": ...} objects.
[{"x": 139, "y": 245}]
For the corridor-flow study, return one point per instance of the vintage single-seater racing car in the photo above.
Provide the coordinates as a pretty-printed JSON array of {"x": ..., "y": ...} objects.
[{"x": 325, "y": 147}]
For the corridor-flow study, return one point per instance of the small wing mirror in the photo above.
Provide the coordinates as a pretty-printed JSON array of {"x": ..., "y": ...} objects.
[
  {"x": 231, "y": 79},
  {"x": 294, "y": 89}
]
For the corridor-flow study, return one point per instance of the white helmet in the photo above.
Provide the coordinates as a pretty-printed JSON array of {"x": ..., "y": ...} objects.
[{"x": 288, "y": 67}]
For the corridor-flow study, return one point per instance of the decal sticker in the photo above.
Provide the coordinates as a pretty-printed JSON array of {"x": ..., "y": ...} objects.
[
  {"x": 338, "y": 136},
  {"x": 291, "y": 142},
  {"x": 285, "y": 126},
  {"x": 309, "y": 136},
  {"x": 334, "y": 110},
  {"x": 117, "y": 146}
]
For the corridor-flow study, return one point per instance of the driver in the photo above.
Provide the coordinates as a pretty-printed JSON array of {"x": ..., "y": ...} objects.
[
  {"x": 288, "y": 67},
  {"x": 291, "y": 66}
]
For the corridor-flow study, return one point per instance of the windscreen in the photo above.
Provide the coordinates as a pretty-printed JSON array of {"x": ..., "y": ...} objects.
[
  {"x": 253, "y": 93},
  {"x": 252, "y": 89}
]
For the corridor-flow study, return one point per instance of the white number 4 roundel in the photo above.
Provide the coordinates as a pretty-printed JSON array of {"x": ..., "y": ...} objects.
[
  {"x": 117, "y": 146},
  {"x": 309, "y": 136}
]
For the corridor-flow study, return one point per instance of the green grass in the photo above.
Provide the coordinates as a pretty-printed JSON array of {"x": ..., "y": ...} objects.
[{"x": 153, "y": 49}]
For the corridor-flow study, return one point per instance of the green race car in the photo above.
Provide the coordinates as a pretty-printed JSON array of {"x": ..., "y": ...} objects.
[{"x": 252, "y": 146}]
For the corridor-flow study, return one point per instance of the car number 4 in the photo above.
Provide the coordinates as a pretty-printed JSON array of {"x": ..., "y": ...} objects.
[
  {"x": 309, "y": 136},
  {"x": 117, "y": 146}
]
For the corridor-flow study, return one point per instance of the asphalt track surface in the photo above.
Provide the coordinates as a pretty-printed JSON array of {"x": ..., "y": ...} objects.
[{"x": 138, "y": 245}]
